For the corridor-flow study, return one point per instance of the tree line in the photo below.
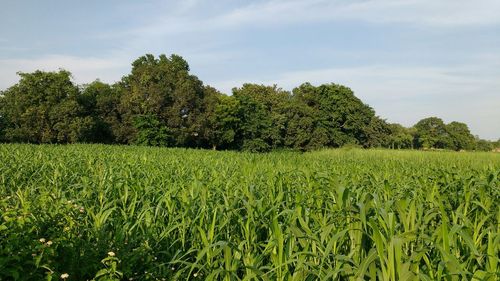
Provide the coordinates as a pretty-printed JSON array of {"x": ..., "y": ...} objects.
[{"x": 161, "y": 104}]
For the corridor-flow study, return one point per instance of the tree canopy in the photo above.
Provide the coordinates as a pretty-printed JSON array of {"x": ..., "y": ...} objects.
[{"x": 160, "y": 103}]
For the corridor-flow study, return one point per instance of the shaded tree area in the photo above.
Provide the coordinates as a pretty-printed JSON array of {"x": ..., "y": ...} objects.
[{"x": 160, "y": 103}]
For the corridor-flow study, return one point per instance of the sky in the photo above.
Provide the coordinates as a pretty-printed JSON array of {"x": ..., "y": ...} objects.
[{"x": 407, "y": 59}]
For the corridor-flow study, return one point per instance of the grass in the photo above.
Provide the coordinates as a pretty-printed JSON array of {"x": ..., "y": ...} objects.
[{"x": 139, "y": 213}]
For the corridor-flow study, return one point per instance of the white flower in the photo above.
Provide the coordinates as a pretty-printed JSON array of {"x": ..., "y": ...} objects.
[
  {"x": 195, "y": 275},
  {"x": 64, "y": 275},
  {"x": 42, "y": 240},
  {"x": 111, "y": 254},
  {"x": 49, "y": 243},
  {"x": 82, "y": 209}
]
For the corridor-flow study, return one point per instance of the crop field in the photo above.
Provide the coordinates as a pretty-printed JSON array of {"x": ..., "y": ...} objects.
[{"x": 83, "y": 212}]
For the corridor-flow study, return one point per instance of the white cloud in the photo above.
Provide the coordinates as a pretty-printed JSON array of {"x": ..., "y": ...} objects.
[{"x": 443, "y": 13}]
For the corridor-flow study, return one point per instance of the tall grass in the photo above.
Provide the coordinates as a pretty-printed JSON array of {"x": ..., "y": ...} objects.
[{"x": 137, "y": 213}]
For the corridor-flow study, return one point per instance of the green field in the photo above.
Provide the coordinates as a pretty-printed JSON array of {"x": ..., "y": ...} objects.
[{"x": 139, "y": 213}]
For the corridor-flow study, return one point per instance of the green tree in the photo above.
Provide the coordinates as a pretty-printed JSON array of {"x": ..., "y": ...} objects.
[
  {"x": 340, "y": 117},
  {"x": 400, "y": 137},
  {"x": 460, "y": 136},
  {"x": 101, "y": 102},
  {"x": 3, "y": 120},
  {"x": 261, "y": 111},
  {"x": 496, "y": 144},
  {"x": 378, "y": 133},
  {"x": 300, "y": 126},
  {"x": 43, "y": 108},
  {"x": 483, "y": 145},
  {"x": 221, "y": 119},
  {"x": 162, "y": 87},
  {"x": 151, "y": 132},
  {"x": 431, "y": 133}
]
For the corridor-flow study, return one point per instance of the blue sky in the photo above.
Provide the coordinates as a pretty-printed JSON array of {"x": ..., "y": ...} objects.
[{"x": 407, "y": 59}]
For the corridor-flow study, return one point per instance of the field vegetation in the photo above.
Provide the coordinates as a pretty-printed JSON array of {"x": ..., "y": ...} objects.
[{"x": 82, "y": 212}]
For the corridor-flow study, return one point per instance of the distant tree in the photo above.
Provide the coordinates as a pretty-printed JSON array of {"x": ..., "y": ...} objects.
[
  {"x": 162, "y": 87},
  {"x": 221, "y": 119},
  {"x": 3, "y": 120},
  {"x": 300, "y": 125},
  {"x": 460, "y": 136},
  {"x": 483, "y": 145},
  {"x": 378, "y": 133},
  {"x": 400, "y": 137},
  {"x": 497, "y": 144},
  {"x": 160, "y": 103},
  {"x": 100, "y": 101},
  {"x": 431, "y": 133},
  {"x": 151, "y": 132},
  {"x": 211, "y": 100},
  {"x": 43, "y": 108},
  {"x": 340, "y": 117},
  {"x": 262, "y": 116}
]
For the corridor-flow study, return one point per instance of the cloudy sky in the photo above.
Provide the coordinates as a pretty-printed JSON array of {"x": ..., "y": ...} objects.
[{"x": 408, "y": 59}]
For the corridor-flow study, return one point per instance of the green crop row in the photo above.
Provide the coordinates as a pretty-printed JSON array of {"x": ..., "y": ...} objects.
[{"x": 82, "y": 212}]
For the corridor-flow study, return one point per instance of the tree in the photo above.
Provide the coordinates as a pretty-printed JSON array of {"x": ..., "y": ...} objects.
[
  {"x": 101, "y": 102},
  {"x": 460, "y": 136},
  {"x": 431, "y": 133},
  {"x": 3, "y": 120},
  {"x": 340, "y": 117},
  {"x": 300, "y": 126},
  {"x": 162, "y": 87},
  {"x": 221, "y": 119},
  {"x": 261, "y": 111},
  {"x": 496, "y": 144},
  {"x": 483, "y": 145},
  {"x": 43, "y": 108},
  {"x": 160, "y": 103},
  {"x": 377, "y": 133},
  {"x": 400, "y": 137},
  {"x": 151, "y": 132}
]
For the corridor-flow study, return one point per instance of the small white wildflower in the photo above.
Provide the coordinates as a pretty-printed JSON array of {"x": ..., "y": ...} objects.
[
  {"x": 82, "y": 209},
  {"x": 64, "y": 275},
  {"x": 49, "y": 243},
  {"x": 195, "y": 274},
  {"x": 70, "y": 202},
  {"x": 111, "y": 254},
  {"x": 42, "y": 240}
]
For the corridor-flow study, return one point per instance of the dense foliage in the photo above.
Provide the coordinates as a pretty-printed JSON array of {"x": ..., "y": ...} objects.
[
  {"x": 100, "y": 212},
  {"x": 161, "y": 104}
]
